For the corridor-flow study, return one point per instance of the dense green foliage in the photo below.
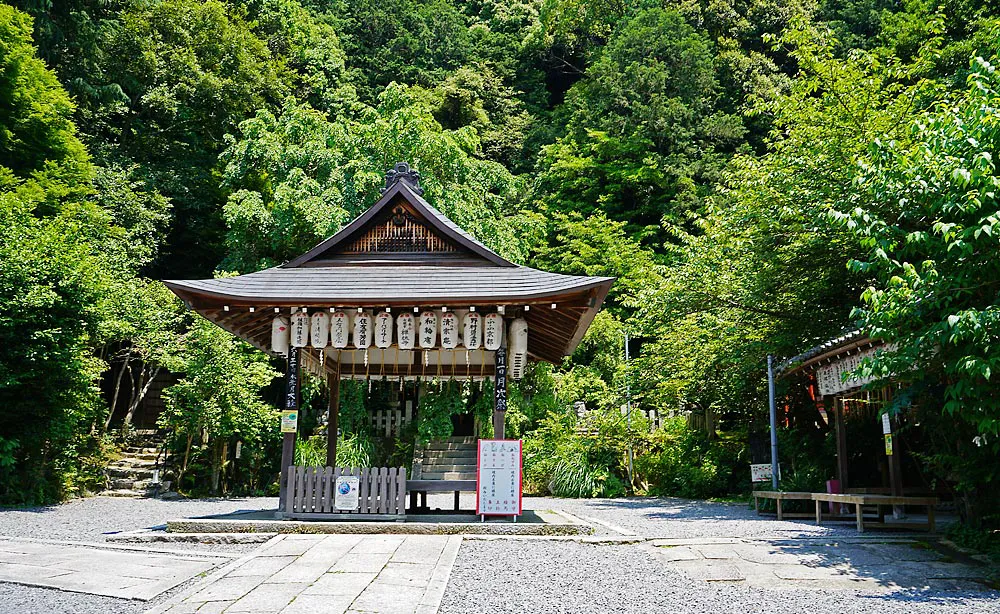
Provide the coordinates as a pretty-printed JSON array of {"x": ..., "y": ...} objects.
[{"x": 759, "y": 176}]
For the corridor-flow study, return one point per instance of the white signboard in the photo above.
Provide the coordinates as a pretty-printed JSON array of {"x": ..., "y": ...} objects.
[
  {"x": 498, "y": 477},
  {"x": 886, "y": 426},
  {"x": 345, "y": 495},
  {"x": 760, "y": 473},
  {"x": 831, "y": 378}
]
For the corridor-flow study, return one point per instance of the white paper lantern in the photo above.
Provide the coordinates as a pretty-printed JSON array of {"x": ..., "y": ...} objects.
[
  {"x": 319, "y": 332},
  {"x": 449, "y": 331},
  {"x": 472, "y": 335},
  {"x": 340, "y": 329},
  {"x": 518, "y": 358},
  {"x": 405, "y": 331},
  {"x": 493, "y": 331},
  {"x": 428, "y": 329},
  {"x": 363, "y": 330},
  {"x": 279, "y": 335},
  {"x": 383, "y": 330},
  {"x": 300, "y": 329}
]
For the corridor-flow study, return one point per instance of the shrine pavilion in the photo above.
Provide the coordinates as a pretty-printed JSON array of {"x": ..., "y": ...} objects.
[{"x": 401, "y": 293}]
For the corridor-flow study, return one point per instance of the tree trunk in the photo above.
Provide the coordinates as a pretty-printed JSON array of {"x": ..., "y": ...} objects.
[
  {"x": 114, "y": 398},
  {"x": 184, "y": 465},
  {"x": 216, "y": 467},
  {"x": 137, "y": 398}
]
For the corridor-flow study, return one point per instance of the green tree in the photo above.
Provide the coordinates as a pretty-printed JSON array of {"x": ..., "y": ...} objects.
[
  {"x": 298, "y": 177},
  {"x": 645, "y": 137},
  {"x": 218, "y": 402}
]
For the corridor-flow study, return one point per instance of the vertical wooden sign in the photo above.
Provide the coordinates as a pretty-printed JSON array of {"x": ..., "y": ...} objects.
[
  {"x": 500, "y": 393},
  {"x": 291, "y": 403}
]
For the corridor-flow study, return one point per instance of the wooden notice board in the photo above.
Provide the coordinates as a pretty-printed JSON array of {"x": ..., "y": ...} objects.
[{"x": 498, "y": 477}]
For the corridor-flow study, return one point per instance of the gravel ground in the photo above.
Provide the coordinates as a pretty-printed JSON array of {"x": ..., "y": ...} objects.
[
  {"x": 495, "y": 577},
  {"x": 93, "y": 518},
  {"x": 36, "y": 600},
  {"x": 517, "y": 575}
]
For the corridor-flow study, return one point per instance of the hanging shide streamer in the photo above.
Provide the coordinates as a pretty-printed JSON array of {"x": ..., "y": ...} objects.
[
  {"x": 383, "y": 330},
  {"x": 319, "y": 332},
  {"x": 279, "y": 335},
  {"x": 518, "y": 350},
  {"x": 363, "y": 331},
  {"x": 340, "y": 326},
  {"x": 428, "y": 329},
  {"x": 449, "y": 331},
  {"x": 493, "y": 331},
  {"x": 405, "y": 331},
  {"x": 473, "y": 331},
  {"x": 300, "y": 329}
]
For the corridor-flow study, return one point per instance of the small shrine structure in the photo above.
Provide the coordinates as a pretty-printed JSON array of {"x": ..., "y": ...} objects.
[{"x": 400, "y": 292}]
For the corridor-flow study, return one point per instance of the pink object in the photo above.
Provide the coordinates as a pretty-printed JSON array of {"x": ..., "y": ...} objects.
[{"x": 833, "y": 487}]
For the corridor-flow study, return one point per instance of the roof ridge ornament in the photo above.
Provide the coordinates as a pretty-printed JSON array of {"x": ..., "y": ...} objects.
[{"x": 403, "y": 172}]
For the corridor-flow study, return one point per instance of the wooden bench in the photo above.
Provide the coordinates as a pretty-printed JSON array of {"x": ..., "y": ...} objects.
[
  {"x": 778, "y": 497},
  {"x": 860, "y": 500},
  {"x": 425, "y": 486}
]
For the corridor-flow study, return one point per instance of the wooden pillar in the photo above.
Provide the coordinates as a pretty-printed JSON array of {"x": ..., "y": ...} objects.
[
  {"x": 841, "y": 440},
  {"x": 333, "y": 413},
  {"x": 288, "y": 439},
  {"x": 500, "y": 392},
  {"x": 895, "y": 469}
]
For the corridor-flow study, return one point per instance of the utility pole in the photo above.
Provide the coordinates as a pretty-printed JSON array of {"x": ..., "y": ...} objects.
[
  {"x": 628, "y": 412},
  {"x": 774, "y": 421}
]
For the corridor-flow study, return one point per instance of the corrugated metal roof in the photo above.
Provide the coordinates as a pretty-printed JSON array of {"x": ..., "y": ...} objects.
[{"x": 375, "y": 284}]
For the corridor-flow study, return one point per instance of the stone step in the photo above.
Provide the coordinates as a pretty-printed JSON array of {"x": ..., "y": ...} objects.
[
  {"x": 126, "y": 492},
  {"x": 133, "y": 451},
  {"x": 130, "y": 484},
  {"x": 122, "y": 463},
  {"x": 449, "y": 475},
  {"x": 457, "y": 454},
  {"x": 130, "y": 472}
]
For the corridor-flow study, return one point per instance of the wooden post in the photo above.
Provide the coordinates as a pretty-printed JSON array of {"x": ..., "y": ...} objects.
[
  {"x": 333, "y": 413},
  {"x": 500, "y": 392},
  {"x": 841, "y": 440},
  {"x": 291, "y": 402}
]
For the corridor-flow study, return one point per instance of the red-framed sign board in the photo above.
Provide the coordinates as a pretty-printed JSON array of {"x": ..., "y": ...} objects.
[{"x": 499, "y": 467}]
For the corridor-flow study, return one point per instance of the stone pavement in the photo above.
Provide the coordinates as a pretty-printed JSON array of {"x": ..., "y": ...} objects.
[
  {"x": 130, "y": 574},
  {"x": 324, "y": 574},
  {"x": 873, "y": 564}
]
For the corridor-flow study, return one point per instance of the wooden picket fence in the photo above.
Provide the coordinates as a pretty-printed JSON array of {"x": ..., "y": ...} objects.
[{"x": 310, "y": 493}]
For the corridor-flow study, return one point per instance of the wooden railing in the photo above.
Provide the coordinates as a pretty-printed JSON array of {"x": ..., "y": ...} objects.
[{"x": 310, "y": 493}]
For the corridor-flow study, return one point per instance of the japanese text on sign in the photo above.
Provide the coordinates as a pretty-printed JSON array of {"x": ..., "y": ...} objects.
[{"x": 498, "y": 483}]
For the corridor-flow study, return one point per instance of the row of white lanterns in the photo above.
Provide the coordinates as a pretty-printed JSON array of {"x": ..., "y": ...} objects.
[{"x": 424, "y": 330}]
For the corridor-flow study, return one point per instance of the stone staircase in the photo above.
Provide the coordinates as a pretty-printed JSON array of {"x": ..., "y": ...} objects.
[
  {"x": 446, "y": 459},
  {"x": 136, "y": 473}
]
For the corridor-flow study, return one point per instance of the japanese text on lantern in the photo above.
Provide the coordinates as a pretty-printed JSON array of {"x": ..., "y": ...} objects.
[{"x": 498, "y": 486}]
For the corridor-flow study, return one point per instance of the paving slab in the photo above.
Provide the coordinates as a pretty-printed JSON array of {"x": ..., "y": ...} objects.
[
  {"x": 319, "y": 574},
  {"x": 129, "y": 574}
]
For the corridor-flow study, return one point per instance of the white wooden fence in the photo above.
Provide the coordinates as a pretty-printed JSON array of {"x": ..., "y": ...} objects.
[
  {"x": 310, "y": 493},
  {"x": 389, "y": 422}
]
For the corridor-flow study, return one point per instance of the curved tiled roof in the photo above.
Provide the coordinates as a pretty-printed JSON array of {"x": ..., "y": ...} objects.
[{"x": 381, "y": 284}]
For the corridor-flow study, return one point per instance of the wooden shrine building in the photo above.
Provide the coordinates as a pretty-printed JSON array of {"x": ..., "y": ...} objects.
[{"x": 400, "y": 292}]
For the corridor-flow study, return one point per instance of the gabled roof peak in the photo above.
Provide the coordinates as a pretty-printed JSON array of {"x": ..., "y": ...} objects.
[
  {"x": 433, "y": 227},
  {"x": 403, "y": 172}
]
